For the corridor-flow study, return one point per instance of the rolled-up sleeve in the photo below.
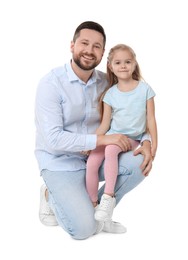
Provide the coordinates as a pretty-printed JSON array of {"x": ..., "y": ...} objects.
[{"x": 145, "y": 137}]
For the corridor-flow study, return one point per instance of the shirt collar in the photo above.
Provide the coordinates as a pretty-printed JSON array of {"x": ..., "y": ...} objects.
[{"x": 73, "y": 77}]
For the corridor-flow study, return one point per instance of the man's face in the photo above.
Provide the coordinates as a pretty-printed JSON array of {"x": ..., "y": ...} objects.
[{"x": 88, "y": 49}]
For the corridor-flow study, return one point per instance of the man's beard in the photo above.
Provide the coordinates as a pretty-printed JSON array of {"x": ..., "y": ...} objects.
[{"x": 82, "y": 66}]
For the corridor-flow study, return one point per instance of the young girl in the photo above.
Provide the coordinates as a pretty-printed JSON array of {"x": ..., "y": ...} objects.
[{"x": 127, "y": 108}]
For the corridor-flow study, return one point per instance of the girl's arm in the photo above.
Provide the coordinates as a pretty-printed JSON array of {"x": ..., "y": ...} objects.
[
  {"x": 118, "y": 139},
  {"x": 103, "y": 127},
  {"x": 152, "y": 125},
  {"x": 106, "y": 119}
]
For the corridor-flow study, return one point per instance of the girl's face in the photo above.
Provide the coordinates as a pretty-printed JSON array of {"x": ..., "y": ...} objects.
[{"x": 123, "y": 64}]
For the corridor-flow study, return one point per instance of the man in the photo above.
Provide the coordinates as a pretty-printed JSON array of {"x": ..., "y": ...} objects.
[{"x": 66, "y": 118}]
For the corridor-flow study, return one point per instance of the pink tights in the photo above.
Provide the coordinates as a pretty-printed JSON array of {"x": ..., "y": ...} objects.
[{"x": 96, "y": 157}]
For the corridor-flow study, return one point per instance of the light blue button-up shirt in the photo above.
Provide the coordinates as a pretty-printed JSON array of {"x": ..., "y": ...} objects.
[{"x": 66, "y": 116}]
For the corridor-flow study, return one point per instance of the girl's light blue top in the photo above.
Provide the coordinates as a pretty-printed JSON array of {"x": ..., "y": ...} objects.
[{"x": 129, "y": 110}]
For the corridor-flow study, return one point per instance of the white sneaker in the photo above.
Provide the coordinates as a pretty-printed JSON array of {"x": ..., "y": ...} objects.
[
  {"x": 46, "y": 215},
  {"x": 110, "y": 227},
  {"x": 114, "y": 227},
  {"x": 105, "y": 209},
  {"x": 99, "y": 227}
]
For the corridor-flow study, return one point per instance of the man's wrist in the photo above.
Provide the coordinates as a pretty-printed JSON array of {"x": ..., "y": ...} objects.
[
  {"x": 146, "y": 143},
  {"x": 100, "y": 140}
]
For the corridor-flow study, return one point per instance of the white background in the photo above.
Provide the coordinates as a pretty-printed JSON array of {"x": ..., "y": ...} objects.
[{"x": 35, "y": 37}]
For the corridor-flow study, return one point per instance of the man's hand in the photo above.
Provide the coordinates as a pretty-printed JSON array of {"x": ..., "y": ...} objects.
[
  {"x": 145, "y": 150},
  {"x": 86, "y": 152}
]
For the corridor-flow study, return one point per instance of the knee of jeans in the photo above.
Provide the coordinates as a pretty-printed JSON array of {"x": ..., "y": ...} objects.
[
  {"x": 84, "y": 230},
  {"x": 129, "y": 162},
  {"x": 79, "y": 230}
]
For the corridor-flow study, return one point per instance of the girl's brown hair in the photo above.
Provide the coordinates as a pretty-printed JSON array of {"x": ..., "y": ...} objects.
[{"x": 111, "y": 77}]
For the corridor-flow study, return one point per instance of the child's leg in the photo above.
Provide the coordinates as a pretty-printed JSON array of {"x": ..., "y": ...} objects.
[
  {"x": 92, "y": 180},
  {"x": 108, "y": 201},
  {"x": 105, "y": 209},
  {"x": 111, "y": 165},
  {"x": 111, "y": 168}
]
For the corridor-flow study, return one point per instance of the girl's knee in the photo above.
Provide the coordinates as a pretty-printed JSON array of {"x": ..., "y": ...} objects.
[{"x": 112, "y": 150}]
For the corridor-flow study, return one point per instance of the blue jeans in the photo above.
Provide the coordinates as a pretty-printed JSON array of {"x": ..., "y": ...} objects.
[{"x": 70, "y": 202}]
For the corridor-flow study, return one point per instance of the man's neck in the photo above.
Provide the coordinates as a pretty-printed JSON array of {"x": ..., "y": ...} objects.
[{"x": 84, "y": 75}]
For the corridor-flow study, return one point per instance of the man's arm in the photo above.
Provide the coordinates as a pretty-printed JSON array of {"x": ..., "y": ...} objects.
[{"x": 50, "y": 123}]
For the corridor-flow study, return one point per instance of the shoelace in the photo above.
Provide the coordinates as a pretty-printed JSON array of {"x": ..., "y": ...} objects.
[
  {"x": 105, "y": 204},
  {"x": 50, "y": 212}
]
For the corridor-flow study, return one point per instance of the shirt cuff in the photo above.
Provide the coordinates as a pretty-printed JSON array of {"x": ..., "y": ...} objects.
[
  {"x": 145, "y": 137},
  {"x": 91, "y": 142}
]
